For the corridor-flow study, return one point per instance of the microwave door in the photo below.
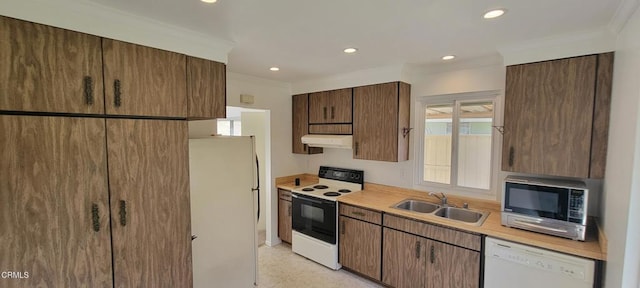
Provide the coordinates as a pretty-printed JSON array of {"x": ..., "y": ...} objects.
[{"x": 537, "y": 201}]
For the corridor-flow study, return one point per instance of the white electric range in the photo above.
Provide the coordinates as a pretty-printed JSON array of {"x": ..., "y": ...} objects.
[{"x": 315, "y": 215}]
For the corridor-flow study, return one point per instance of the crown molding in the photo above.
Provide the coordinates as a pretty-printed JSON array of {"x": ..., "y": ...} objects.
[{"x": 93, "y": 18}]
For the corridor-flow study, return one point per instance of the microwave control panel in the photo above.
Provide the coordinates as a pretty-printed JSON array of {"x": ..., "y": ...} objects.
[{"x": 576, "y": 206}]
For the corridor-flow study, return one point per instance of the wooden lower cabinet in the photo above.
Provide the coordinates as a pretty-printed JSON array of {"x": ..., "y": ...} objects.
[
  {"x": 360, "y": 246},
  {"x": 54, "y": 204},
  {"x": 403, "y": 259},
  {"x": 452, "y": 266},
  {"x": 284, "y": 215},
  {"x": 414, "y": 261},
  {"x": 150, "y": 207}
]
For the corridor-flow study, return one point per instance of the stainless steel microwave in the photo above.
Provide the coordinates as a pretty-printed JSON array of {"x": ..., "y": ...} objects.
[{"x": 549, "y": 206}]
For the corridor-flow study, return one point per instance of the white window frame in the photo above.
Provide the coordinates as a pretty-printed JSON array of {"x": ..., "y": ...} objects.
[{"x": 496, "y": 140}]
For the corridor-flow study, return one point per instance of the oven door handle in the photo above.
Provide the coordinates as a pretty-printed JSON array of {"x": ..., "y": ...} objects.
[
  {"x": 306, "y": 198},
  {"x": 535, "y": 225}
]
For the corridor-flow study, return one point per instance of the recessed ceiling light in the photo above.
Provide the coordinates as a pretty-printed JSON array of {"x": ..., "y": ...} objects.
[
  {"x": 274, "y": 69},
  {"x": 448, "y": 57},
  {"x": 209, "y": 1},
  {"x": 350, "y": 50},
  {"x": 495, "y": 13}
]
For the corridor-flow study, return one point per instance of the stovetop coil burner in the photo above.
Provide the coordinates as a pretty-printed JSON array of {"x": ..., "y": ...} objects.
[
  {"x": 344, "y": 190},
  {"x": 321, "y": 186},
  {"x": 332, "y": 194},
  {"x": 307, "y": 189}
]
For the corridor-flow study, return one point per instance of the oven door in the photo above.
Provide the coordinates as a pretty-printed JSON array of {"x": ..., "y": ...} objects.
[
  {"x": 314, "y": 217},
  {"x": 536, "y": 200}
]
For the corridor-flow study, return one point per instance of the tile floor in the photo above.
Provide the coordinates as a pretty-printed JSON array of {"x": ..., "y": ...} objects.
[{"x": 279, "y": 267}]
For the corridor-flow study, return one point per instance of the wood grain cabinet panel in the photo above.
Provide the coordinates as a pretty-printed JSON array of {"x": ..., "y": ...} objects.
[
  {"x": 333, "y": 106},
  {"x": 284, "y": 215},
  {"x": 300, "y": 107},
  {"x": 552, "y": 110},
  {"x": 144, "y": 81},
  {"x": 207, "y": 93},
  {"x": 47, "y": 69},
  {"x": 451, "y": 266},
  {"x": 150, "y": 214},
  {"x": 54, "y": 210},
  {"x": 360, "y": 247},
  {"x": 403, "y": 259},
  {"x": 380, "y": 113}
]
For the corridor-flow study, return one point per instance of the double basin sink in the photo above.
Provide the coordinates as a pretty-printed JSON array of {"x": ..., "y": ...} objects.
[{"x": 464, "y": 215}]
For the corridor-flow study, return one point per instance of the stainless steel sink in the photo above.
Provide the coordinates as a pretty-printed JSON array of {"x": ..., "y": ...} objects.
[
  {"x": 464, "y": 215},
  {"x": 417, "y": 206}
]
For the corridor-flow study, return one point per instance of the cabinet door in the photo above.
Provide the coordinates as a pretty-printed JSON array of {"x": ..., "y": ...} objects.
[
  {"x": 284, "y": 220},
  {"x": 150, "y": 208},
  {"x": 451, "y": 266},
  {"x": 357, "y": 253},
  {"x": 403, "y": 259},
  {"x": 333, "y": 106},
  {"x": 375, "y": 122},
  {"x": 54, "y": 202},
  {"x": 144, "y": 81},
  {"x": 47, "y": 69},
  {"x": 300, "y": 121},
  {"x": 548, "y": 117},
  {"x": 206, "y": 82}
]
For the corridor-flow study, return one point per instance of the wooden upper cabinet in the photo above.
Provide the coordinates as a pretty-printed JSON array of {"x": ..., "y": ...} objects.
[
  {"x": 333, "y": 106},
  {"x": 207, "y": 93},
  {"x": 47, "y": 69},
  {"x": 54, "y": 207},
  {"x": 380, "y": 117},
  {"x": 300, "y": 112},
  {"x": 150, "y": 207},
  {"x": 144, "y": 81},
  {"x": 550, "y": 127}
]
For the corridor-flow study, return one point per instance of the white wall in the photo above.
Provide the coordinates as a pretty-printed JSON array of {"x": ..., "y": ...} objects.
[
  {"x": 622, "y": 181},
  {"x": 276, "y": 97}
]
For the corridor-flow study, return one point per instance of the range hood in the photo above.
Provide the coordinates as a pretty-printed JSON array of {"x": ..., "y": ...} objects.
[{"x": 328, "y": 141}]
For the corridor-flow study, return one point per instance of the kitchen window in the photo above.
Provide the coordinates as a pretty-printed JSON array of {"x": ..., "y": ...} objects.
[{"x": 457, "y": 141}]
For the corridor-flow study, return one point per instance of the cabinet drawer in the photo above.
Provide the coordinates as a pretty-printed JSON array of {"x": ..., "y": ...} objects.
[
  {"x": 284, "y": 194},
  {"x": 361, "y": 214},
  {"x": 448, "y": 235}
]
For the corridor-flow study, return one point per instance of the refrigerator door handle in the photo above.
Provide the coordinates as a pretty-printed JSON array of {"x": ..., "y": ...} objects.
[{"x": 257, "y": 189}]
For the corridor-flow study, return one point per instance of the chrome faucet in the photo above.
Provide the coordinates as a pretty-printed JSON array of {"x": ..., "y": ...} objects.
[{"x": 443, "y": 198}]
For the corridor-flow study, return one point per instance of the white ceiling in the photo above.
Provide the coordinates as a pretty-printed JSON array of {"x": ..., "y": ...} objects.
[{"x": 306, "y": 38}]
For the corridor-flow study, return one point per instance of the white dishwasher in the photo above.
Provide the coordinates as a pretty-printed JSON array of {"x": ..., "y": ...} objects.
[{"x": 509, "y": 264}]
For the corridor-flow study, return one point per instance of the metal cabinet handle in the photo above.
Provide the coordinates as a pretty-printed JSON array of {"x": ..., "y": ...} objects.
[
  {"x": 193, "y": 237},
  {"x": 433, "y": 254},
  {"x": 123, "y": 213},
  {"x": 356, "y": 150},
  {"x": 117, "y": 94},
  {"x": 333, "y": 112},
  {"x": 357, "y": 213},
  {"x": 88, "y": 90},
  {"x": 289, "y": 210},
  {"x": 324, "y": 112},
  {"x": 95, "y": 215},
  {"x": 342, "y": 228},
  {"x": 417, "y": 249},
  {"x": 511, "y": 156}
]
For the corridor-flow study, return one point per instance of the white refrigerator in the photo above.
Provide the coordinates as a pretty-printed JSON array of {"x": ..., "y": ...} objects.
[{"x": 224, "y": 211}]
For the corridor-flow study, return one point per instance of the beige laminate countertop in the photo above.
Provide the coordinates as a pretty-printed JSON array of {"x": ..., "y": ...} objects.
[{"x": 381, "y": 198}]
